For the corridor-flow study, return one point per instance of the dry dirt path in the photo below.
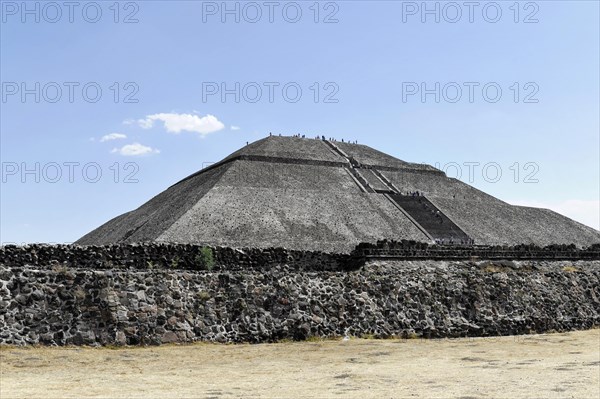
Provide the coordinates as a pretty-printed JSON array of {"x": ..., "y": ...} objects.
[{"x": 534, "y": 366}]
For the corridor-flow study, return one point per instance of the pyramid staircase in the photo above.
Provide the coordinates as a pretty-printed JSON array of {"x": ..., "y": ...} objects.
[
  {"x": 360, "y": 180},
  {"x": 422, "y": 212},
  {"x": 439, "y": 226}
]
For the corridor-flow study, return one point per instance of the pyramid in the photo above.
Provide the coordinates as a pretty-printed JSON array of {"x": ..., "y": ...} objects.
[{"x": 313, "y": 194}]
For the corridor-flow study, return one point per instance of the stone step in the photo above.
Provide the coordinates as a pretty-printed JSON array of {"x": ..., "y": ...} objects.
[{"x": 432, "y": 219}]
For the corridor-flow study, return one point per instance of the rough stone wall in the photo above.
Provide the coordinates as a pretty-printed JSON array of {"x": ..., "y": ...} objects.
[
  {"x": 147, "y": 256},
  {"x": 58, "y": 305}
]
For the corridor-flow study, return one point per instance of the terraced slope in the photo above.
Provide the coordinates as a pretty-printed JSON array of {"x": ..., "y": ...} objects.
[
  {"x": 272, "y": 217},
  {"x": 289, "y": 147},
  {"x": 496, "y": 222},
  {"x": 263, "y": 204},
  {"x": 369, "y": 156},
  {"x": 155, "y": 216},
  {"x": 310, "y": 194}
]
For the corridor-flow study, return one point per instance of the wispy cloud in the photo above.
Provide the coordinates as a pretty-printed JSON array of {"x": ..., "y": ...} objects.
[
  {"x": 177, "y": 123},
  {"x": 235, "y": 127},
  {"x": 135, "y": 149},
  {"x": 145, "y": 123},
  {"x": 112, "y": 136}
]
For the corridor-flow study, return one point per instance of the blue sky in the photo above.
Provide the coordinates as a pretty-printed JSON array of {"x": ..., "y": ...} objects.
[{"x": 362, "y": 68}]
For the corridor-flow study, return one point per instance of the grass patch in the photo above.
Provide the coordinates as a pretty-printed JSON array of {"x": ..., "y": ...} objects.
[
  {"x": 203, "y": 296},
  {"x": 79, "y": 293},
  {"x": 205, "y": 259},
  {"x": 570, "y": 269},
  {"x": 492, "y": 268}
]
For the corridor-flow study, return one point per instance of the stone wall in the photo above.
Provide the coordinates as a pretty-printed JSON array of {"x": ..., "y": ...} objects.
[
  {"x": 415, "y": 250},
  {"x": 60, "y": 305},
  {"x": 171, "y": 256},
  {"x": 150, "y": 256}
]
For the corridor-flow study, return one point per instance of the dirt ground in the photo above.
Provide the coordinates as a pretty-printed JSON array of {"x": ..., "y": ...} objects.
[{"x": 533, "y": 366}]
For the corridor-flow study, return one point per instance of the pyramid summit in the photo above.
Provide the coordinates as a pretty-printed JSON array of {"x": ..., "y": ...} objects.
[{"x": 317, "y": 194}]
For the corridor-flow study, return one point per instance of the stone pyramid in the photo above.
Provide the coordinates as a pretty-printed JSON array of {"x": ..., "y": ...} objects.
[{"x": 313, "y": 194}]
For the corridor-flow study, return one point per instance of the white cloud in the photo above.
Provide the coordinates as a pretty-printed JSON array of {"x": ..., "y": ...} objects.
[
  {"x": 176, "y": 123},
  {"x": 129, "y": 121},
  {"x": 135, "y": 149},
  {"x": 112, "y": 136},
  {"x": 145, "y": 123},
  {"x": 235, "y": 127},
  {"x": 586, "y": 212}
]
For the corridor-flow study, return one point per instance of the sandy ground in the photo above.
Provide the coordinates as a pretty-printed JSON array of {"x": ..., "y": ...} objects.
[{"x": 534, "y": 366}]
